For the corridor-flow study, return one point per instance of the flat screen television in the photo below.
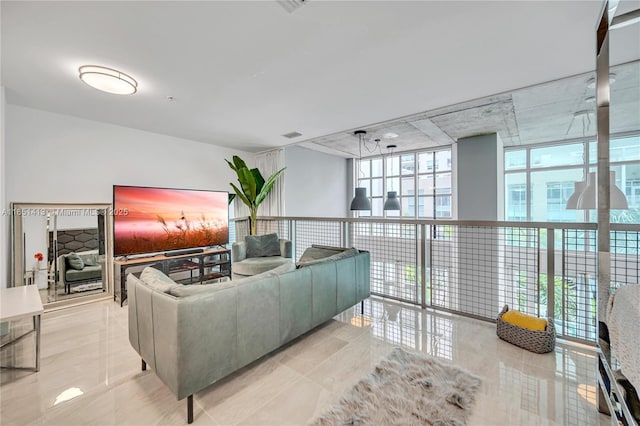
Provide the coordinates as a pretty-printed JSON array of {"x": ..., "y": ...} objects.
[{"x": 147, "y": 220}]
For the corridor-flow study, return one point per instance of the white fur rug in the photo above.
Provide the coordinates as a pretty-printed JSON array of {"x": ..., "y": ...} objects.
[{"x": 406, "y": 389}]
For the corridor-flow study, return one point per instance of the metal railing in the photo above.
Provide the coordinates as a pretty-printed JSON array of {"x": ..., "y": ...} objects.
[{"x": 474, "y": 268}]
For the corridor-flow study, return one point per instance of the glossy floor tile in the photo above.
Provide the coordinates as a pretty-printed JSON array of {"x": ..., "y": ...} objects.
[{"x": 91, "y": 375}]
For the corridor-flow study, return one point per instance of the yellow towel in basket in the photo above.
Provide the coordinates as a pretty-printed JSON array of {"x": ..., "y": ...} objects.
[{"x": 525, "y": 321}]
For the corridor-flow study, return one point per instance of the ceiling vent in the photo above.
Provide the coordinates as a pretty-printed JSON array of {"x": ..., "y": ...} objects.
[
  {"x": 291, "y": 5},
  {"x": 292, "y": 135}
]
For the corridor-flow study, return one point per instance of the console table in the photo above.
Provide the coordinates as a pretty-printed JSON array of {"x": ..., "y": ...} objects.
[
  {"x": 22, "y": 302},
  {"x": 210, "y": 264}
]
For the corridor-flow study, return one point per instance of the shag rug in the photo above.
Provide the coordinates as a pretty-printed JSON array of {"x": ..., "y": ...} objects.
[{"x": 406, "y": 389}]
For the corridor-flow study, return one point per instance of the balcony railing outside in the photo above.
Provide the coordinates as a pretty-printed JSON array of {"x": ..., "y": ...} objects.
[{"x": 474, "y": 268}]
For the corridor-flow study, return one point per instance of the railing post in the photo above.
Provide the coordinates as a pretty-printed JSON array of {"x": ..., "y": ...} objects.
[
  {"x": 423, "y": 264},
  {"x": 346, "y": 236},
  {"x": 292, "y": 238},
  {"x": 551, "y": 273}
]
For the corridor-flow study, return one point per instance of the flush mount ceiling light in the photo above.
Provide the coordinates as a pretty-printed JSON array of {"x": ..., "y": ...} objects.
[{"x": 108, "y": 80}]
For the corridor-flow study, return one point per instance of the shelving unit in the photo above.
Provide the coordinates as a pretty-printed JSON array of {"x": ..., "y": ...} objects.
[{"x": 202, "y": 267}]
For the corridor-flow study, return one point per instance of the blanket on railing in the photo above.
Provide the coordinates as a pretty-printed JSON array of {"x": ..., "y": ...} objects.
[{"x": 623, "y": 319}]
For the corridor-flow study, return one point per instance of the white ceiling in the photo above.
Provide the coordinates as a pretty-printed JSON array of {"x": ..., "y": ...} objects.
[{"x": 244, "y": 73}]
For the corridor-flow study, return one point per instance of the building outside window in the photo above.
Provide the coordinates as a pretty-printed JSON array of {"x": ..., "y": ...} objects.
[
  {"x": 422, "y": 180},
  {"x": 540, "y": 179}
]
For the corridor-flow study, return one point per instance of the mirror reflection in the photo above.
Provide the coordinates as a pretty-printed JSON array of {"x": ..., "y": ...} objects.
[{"x": 61, "y": 249}]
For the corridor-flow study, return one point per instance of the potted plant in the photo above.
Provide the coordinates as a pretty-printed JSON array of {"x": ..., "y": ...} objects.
[{"x": 254, "y": 188}]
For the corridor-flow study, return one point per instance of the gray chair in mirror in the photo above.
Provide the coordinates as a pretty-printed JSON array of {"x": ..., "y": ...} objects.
[{"x": 259, "y": 253}]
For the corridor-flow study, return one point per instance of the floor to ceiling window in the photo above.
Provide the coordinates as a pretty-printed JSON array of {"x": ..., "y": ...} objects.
[
  {"x": 540, "y": 179},
  {"x": 422, "y": 180}
]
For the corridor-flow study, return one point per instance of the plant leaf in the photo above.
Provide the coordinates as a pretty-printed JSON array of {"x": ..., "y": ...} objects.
[
  {"x": 259, "y": 180},
  {"x": 267, "y": 186},
  {"x": 231, "y": 197},
  {"x": 239, "y": 162},
  {"x": 248, "y": 182},
  {"x": 234, "y": 168},
  {"x": 241, "y": 195}
]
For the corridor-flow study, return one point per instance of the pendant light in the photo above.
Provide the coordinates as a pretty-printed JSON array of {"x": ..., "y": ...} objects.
[
  {"x": 360, "y": 201},
  {"x": 392, "y": 202},
  {"x": 572, "y": 202},
  {"x": 587, "y": 200}
]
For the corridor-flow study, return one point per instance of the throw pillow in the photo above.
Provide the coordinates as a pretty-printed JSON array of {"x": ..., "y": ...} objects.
[
  {"x": 74, "y": 261},
  {"x": 156, "y": 279},
  {"x": 90, "y": 260},
  {"x": 262, "y": 245}
]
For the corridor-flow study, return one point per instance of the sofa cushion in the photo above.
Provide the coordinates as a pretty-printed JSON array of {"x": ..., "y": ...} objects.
[
  {"x": 74, "y": 261},
  {"x": 318, "y": 252},
  {"x": 340, "y": 255},
  {"x": 180, "y": 290},
  {"x": 257, "y": 265},
  {"x": 156, "y": 279},
  {"x": 262, "y": 245},
  {"x": 87, "y": 273},
  {"x": 89, "y": 259}
]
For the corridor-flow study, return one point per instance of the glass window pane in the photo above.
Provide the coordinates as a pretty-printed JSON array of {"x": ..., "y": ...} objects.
[
  {"x": 623, "y": 149},
  {"x": 443, "y": 183},
  {"x": 376, "y": 167},
  {"x": 376, "y": 206},
  {"x": 550, "y": 191},
  {"x": 408, "y": 164},
  {"x": 443, "y": 206},
  {"x": 443, "y": 160},
  {"x": 393, "y": 166},
  {"x": 365, "y": 183},
  {"x": 393, "y": 184},
  {"x": 425, "y": 207},
  {"x": 408, "y": 206},
  {"x": 628, "y": 181},
  {"x": 559, "y": 155},
  {"x": 515, "y": 159},
  {"x": 408, "y": 186},
  {"x": 365, "y": 168},
  {"x": 515, "y": 196},
  {"x": 425, "y": 162},
  {"x": 392, "y": 213},
  {"x": 425, "y": 184},
  {"x": 376, "y": 187}
]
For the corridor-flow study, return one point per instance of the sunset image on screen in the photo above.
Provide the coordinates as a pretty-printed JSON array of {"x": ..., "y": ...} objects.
[{"x": 158, "y": 219}]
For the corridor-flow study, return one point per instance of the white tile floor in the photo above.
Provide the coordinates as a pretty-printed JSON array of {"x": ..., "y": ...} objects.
[{"x": 91, "y": 375}]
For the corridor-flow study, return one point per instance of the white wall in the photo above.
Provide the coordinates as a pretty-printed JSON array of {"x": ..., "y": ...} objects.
[
  {"x": 316, "y": 184},
  {"x": 63, "y": 159}
]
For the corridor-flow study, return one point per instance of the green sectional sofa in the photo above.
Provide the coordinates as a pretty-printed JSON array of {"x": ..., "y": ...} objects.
[
  {"x": 193, "y": 336},
  {"x": 87, "y": 269}
]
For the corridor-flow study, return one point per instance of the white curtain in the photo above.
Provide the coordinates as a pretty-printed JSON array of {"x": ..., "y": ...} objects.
[{"x": 268, "y": 163}]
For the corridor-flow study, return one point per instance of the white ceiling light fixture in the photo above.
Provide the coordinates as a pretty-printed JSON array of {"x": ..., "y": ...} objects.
[{"x": 108, "y": 80}]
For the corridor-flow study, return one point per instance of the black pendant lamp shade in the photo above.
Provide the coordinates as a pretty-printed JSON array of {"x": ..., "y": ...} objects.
[
  {"x": 392, "y": 202},
  {"x": 360, "y": 201}
]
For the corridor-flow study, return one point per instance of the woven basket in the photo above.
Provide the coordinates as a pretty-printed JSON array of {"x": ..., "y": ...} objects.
[{"x": 539, "y": 342}]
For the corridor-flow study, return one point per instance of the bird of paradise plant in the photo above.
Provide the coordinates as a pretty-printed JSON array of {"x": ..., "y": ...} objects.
[{"x": 253, "y": 187}]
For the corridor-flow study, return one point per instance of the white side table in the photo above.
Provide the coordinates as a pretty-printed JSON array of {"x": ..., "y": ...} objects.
[{"x": 22, "y": 302}]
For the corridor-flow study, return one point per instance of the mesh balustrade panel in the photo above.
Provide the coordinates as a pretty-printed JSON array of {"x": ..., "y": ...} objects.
[
  {"x": 576, "y": 286},
  {"x": 624, "y": 258},
  {"x": 319, "y": 232},
  {"x": 394, "y": 253},
  {"x": 273, "y": 226},
  {"x": 478, "y": 269}
]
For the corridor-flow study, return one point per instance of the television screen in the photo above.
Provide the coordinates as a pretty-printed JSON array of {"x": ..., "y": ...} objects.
[{"x": 162, "y": 219}]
